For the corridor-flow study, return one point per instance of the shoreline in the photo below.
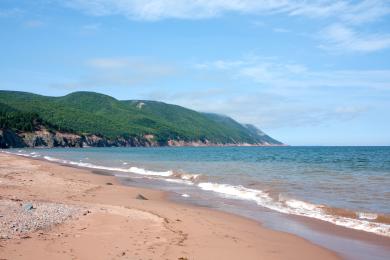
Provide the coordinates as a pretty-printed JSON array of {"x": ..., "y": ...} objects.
[
  {"x": 352, "y": 219},
  {"x": 184, "y": 229}
]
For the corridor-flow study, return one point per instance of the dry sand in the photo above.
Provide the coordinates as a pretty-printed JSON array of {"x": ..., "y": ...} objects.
[{"x": 49, "y": 211}]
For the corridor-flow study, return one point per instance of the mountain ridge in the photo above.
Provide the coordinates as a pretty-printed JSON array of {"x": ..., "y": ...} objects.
[{"x": 83, "y": 118}]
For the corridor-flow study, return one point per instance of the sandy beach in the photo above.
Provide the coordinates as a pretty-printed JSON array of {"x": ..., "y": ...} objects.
[{"x": 50, "y": 211}]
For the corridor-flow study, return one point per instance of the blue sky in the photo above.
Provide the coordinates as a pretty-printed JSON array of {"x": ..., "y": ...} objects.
[{"x": 306, "y": 72}]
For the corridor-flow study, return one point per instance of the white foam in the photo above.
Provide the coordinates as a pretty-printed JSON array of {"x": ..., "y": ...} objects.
[
  {"x": 141, "y": 171},
  {"x": 18, "y": 153},
  {"x": 301, "y": 205},
  {"x": 369, "y": 216},
  {"x": 179, "y": 181},
  {"x": 51, "y": 159},
  {"x": 186, "y": 176},
  {"x": 86, "y": 165},
  {"x": 297, "y": 207},
  {"x": 135, "y": 170},
  {"x": 234, "y": 191},
  {"x": 185, "y": 195}
]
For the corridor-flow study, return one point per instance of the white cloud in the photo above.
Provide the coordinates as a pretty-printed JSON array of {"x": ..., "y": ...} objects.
[
  {"x": 341, "y": 38},
  {"x": 119, "y": 72},
  {"x": 189, "y": 9},
  {"x": 220, "y": 64},
  {"x": 281, "y": 30},
  {"x": 366, "y": 11},
  {"x": 141, "y": 65},
  {"x": 347, "y": 13},
  {"x": 108, "y": 63},
  {"x": 317, "y": 9},
  {"x": 179, "y": 9},
  {"x": 274, "y": 74}
]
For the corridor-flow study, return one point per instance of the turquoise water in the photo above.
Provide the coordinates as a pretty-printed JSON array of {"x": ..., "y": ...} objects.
[{"x": 347, "y": 186}]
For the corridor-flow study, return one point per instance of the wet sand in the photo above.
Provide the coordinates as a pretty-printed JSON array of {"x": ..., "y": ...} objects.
[{"x": 110, "y": 222}]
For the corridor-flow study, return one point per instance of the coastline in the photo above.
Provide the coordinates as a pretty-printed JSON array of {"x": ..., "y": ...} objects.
[
  {"x": 45, "y": 138},
  {"x": 157, "y": 228}
]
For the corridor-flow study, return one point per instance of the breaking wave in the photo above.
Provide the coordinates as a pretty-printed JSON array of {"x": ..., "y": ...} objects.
[
  {"x": 171, "y": 176},
  {"x": 369, "y": 222}
]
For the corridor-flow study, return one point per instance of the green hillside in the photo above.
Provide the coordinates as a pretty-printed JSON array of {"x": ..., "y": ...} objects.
[{"x": 87, "y": 113}]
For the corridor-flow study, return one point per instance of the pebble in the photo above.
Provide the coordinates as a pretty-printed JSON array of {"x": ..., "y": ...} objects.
[
  {"x": 28, "y": 206},
  {"x": 19, "y": 220},
  {"x": 141, "y": 197}
]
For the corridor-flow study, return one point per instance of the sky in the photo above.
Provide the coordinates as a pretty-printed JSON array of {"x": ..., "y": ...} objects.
[{"x": 305, "y": 72}]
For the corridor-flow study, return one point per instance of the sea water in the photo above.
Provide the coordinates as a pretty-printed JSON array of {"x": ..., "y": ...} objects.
[{"x": 345, "y": 186}]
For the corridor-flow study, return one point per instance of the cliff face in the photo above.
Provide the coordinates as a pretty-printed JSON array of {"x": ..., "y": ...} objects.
[
  {"x": 44, "y": 138},
  {"x": 49, "y": 139}
]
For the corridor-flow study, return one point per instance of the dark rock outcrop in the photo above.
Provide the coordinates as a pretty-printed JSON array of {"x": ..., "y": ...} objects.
[
  {"x": 45, "y": 138},
  {"x": 9, "y": 139}
]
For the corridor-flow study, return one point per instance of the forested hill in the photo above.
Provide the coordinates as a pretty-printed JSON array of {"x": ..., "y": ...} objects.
[{"x": 100, "y": 120}]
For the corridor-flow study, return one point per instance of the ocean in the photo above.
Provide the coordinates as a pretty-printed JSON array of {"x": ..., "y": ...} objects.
[{"x": 347, "y": 187}]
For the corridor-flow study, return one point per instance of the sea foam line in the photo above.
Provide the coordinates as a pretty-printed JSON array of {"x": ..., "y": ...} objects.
[
  {"x": 298, "y": 207},
  {"x": 134, "y": 170}
]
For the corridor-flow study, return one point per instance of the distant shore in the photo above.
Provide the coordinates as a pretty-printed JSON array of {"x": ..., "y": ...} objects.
[{"x": 49, "y": 211}]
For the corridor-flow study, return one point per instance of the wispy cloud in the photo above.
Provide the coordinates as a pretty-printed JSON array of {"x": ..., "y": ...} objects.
[
  {"x": 187, "y": 9},
  {"x": 347, "y": 14},
  {"x": 109, "y": 63},
  {"x": 365, "y": 11},
  {"x": 221, "y": 64},
  {"x": 272, "y": 73},
  {"x": 142, "y": 66},
  {"x": 119, "y": 72},
  {"x": 178, "y": 9},
  {"x": 316, "y": 9},
  {"x": 341, "y": 38},
  {"x": 280, "y": 30}
]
